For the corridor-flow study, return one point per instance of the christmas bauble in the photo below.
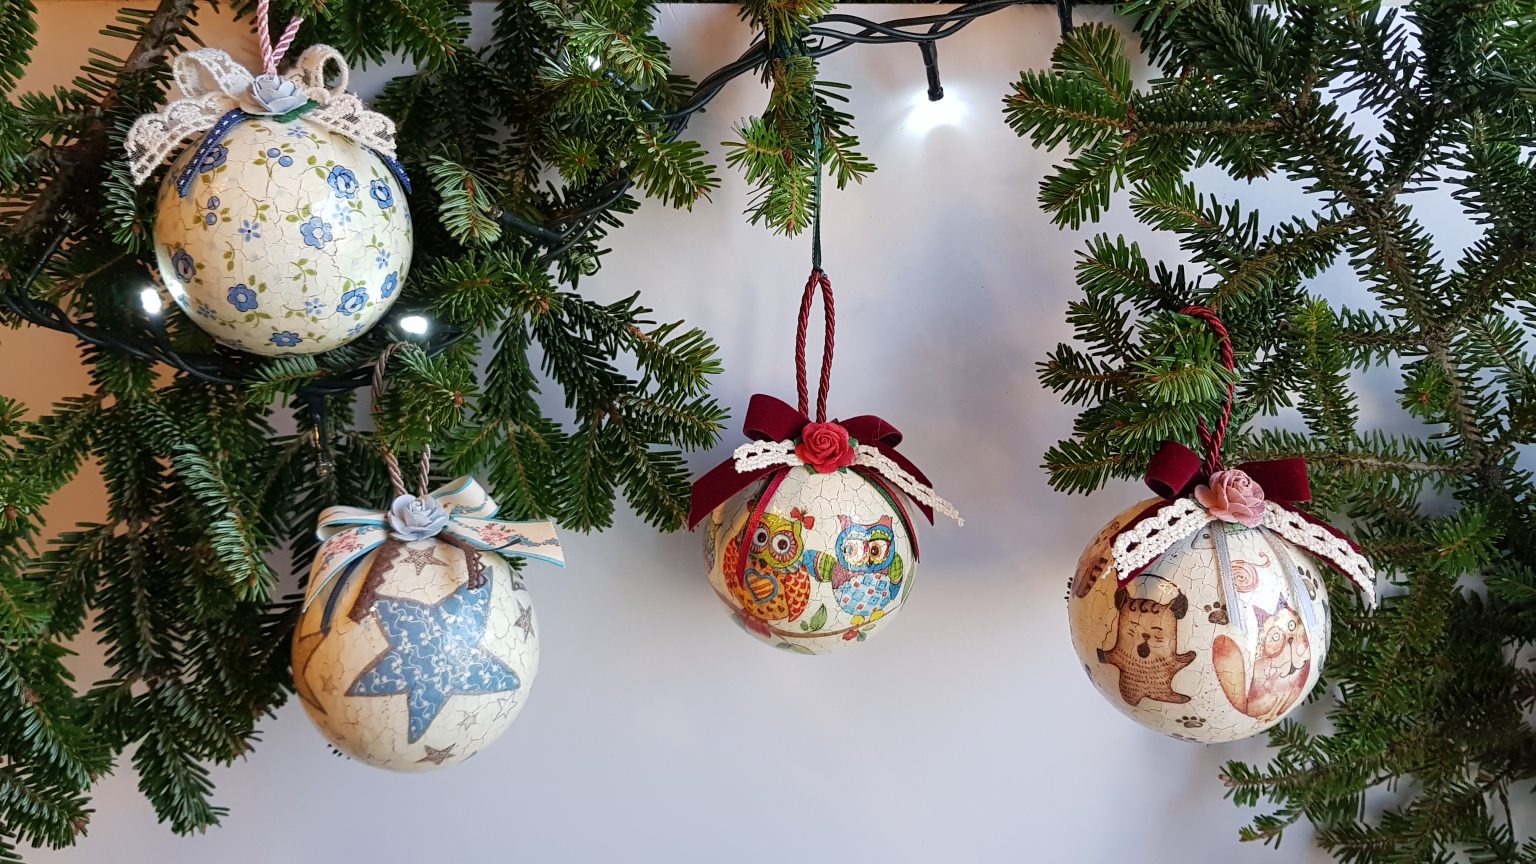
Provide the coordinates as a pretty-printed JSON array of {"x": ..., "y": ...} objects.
[
  {"x": 824, "y": 563},
  {"x": 425, "y": 660},
  {"x": 1192, "y": 653},
  {"x": 291, "y": 239}
]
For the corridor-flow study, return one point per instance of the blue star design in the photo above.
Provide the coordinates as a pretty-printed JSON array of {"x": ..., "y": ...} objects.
[{"x": 434, "y": 653}]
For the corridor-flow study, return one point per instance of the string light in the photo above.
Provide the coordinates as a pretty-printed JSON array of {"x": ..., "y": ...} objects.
[
  {"x": 149, "y": 298},
  {"x": 416, "y": 325}
]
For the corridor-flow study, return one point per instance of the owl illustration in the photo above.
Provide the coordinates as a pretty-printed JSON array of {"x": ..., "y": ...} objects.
[
  {"x": 775, "y": 585},
  {"x": 866, "y": 576}
]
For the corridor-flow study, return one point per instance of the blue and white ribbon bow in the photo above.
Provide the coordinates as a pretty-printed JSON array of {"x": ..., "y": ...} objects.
[{"x": 349, "y": 534}]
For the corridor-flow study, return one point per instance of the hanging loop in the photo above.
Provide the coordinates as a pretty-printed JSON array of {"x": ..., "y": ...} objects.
[
  {"x": 271, "y": 55},
  {"x": 1212, "y": 441},
  {"x": 818, "y": 280},
  {"x": 396, "y": 480}
]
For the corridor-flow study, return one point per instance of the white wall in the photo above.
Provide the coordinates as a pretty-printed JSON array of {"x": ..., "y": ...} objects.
[{"x": 657, "y": 731}]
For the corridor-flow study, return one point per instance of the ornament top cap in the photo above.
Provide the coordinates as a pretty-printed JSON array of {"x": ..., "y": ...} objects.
[{"x": 212, "y": 85}]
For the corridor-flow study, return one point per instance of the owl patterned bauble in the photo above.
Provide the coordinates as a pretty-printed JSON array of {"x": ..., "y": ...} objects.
[
  {"x": 1183, "y": 653},
  {"x": 807, "y": 540},
  {"x": 825, "y": 561},
  {"x": 292, "y": 238},
  {"x": 418, "y": 643},
  {"x": 285, "y": 229}
]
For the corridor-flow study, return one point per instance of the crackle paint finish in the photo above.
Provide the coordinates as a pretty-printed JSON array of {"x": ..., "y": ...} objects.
[
  {"x": 292, "y": 239},
  {"x": 1173, "y": 651},
  {"x": 829, "y": 563},
  {"x": 432, "y": 673}
]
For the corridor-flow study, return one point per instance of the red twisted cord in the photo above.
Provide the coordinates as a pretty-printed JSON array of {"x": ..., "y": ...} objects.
[
  {"x": 1213, "y": 441},
  {"x": 818, "y": 279}
]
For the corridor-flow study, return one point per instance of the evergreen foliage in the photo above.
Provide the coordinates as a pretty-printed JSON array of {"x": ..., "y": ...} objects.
[
  {"x": 1430, "y": 696},
  {"x": 565, "y": 102}
]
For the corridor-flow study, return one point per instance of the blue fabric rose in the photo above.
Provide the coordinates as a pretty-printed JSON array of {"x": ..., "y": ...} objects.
[
  {"x": 316, "y": 231},
  {"x": 272, "y": 94},
  {"x": 391, "y": 282},
  {"x": 285, "y": 339},
  {"x": 182, "y": 263},
  {"x": 213, "y": 158},
  {"x": 412, "y": 518},
  {"x": 382, "y": 193},
  {"x": 343, "y": 181},
  {"x": 353, "y": 301},
  {"x": 242, "y": 298}
]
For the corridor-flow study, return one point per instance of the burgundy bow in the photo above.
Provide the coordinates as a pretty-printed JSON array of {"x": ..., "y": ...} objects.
[
  {"x": 772, "y": 419},
  {"x": 1175, "y": 471}
]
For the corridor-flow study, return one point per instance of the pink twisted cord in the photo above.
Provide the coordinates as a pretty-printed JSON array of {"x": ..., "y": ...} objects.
[{"x": 271, "y": 54}]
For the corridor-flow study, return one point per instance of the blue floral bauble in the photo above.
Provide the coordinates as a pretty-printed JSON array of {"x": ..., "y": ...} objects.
[{"x": 276, "y": 249}]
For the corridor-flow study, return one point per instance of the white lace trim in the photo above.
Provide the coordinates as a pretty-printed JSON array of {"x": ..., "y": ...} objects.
[
  {"x": 1143, "y": 542},
  {"x": 1317, "y": 540},
  {"x": 757, "y": 455},
  {"x": 213, "y": 84}
]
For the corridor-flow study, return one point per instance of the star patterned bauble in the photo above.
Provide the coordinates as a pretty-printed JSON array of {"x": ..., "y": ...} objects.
[{"x": 407, "y": 666}]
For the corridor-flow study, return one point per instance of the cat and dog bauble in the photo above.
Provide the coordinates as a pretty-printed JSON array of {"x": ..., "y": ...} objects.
[{"x": 1206, "y": 617}]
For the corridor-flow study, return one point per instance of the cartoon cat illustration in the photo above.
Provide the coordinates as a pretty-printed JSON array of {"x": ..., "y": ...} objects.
[
  {"x": 1146, "y": 649},
  {"x": 1280, "y": 665}
]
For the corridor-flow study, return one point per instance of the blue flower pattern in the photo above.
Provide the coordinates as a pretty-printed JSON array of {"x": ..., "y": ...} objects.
[
  {"x": 217, "y": 155},
  {"x": 382, "y": 193},
  {"x": 353, "y": 301},
  {"x": 316, "y": 232},
  {"x": 343, "y": 181},
  {"x": 184, "y": 266},
  {"x": 242, "y": 298}
]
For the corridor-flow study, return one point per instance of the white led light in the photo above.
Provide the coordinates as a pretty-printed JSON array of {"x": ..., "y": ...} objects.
[
  {"x": 149, "y": 298},
  {"x": 416, "y": 325},
  {"x": 924, "y": 116}
]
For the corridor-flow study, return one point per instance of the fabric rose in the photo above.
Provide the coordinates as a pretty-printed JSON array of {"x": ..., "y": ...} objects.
[
  {"x": 825, "y": 447},
  {"x": 412, "y": 518},
  {"x": 272, "y": 94},
  {"x": 1232, "y": 496}
]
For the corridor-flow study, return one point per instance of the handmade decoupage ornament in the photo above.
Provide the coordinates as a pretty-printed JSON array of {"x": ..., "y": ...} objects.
[
  {"x": 417, "y": 644},
  {"x": 809, "y": 543},
  {"x": 1202, "y": 613},
  {"x": 285, "y": 230}
]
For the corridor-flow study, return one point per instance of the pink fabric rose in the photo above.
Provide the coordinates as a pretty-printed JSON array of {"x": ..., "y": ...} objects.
[
  {"x": 1232, "y": 496},
  {"x": 825, "y": 447}
]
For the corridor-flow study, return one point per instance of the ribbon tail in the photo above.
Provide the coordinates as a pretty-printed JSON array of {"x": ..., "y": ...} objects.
[
  {"x": 1283, "y": 480},
  {"x": 718, "y": 486},
  {"x": 1327, "y": 543}
]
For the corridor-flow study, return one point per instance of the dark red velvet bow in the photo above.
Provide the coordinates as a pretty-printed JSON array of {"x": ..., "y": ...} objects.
[
  {"x": 772, "y": 419},
  {"x": 1175, "y": 471}
]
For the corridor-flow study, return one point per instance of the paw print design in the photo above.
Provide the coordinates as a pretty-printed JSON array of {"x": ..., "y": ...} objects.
[
  {"x": 1191, "y": 722},
  {"x": 1217, "y": 613}
]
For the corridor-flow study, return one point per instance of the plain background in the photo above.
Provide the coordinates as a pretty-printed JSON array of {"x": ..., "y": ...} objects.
[{"x": 657, "y": 731}]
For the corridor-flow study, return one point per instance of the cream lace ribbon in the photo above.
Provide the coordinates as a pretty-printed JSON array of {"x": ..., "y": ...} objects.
[
  {"x": 755, "y": 455},
  {"x": 213, "y": 84},
  {"x": 1143, "y": 542}
]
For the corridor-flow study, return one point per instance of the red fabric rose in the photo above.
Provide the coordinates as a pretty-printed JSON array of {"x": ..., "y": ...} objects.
[
  {"x": 1232, "y": 496},
  {"x": 825, "y": 447}
]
